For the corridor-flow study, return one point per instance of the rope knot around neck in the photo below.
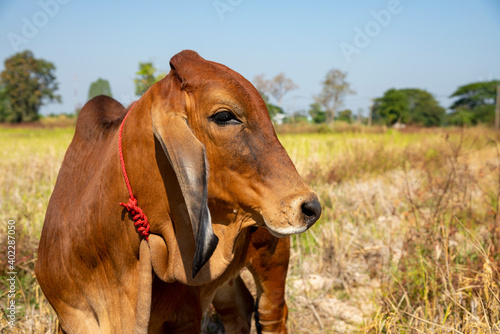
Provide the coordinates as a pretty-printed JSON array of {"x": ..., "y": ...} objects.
[{"x": 140, "y": 219}]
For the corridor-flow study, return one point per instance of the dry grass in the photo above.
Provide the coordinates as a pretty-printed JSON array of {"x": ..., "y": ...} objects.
[
  {"x": 338, "y": 127},
  {"x": 408, "y": 240},
  {"x": 29, "y": 163}
]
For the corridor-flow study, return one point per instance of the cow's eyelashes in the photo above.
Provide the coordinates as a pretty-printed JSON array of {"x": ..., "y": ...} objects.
[{"x": 225, "y": 117}]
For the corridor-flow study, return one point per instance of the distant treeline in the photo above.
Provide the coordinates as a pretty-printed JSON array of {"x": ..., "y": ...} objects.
[{"x": 27, "y": 83}]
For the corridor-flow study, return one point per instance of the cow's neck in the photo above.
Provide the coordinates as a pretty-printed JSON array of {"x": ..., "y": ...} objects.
[{"x": 158, "y": 193}]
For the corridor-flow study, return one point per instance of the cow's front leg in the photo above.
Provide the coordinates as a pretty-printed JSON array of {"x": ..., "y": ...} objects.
[
  {"x": 234, "y": 304},
  {"x": 267, "y": 259}
]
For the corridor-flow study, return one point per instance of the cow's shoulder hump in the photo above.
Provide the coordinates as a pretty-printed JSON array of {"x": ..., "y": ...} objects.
[{"x": 99, "y": 116}]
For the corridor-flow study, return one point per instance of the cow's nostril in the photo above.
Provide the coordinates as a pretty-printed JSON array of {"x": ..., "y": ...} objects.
[
  {"x": 307, "y": 211},
  {"x": 311, "y": 211}
]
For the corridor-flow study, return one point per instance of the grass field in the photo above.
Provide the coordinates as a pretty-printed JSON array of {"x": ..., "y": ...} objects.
[{"x": 408, "y": 241}]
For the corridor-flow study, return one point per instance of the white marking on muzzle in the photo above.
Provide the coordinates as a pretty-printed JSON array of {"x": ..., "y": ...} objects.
[{"x": 285, "y": 232}]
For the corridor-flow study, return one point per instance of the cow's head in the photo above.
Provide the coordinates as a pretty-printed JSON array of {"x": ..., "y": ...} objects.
[{"x": 215, "y": 130}]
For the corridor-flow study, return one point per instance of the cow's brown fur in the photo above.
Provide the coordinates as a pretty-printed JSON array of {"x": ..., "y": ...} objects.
[{"x": 89, "y": 259}]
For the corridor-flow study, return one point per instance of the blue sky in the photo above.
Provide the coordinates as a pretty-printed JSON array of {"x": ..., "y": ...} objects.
[{"x": 432, "y": 45}]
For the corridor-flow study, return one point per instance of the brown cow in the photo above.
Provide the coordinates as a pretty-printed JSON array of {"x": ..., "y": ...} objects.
[{"x": 100, "y": 275}]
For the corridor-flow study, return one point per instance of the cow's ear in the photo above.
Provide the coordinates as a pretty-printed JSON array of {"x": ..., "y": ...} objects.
[{"x": 187, "y": 156}]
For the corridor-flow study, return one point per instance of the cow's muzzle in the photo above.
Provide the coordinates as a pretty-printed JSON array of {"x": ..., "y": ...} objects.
[{"x": 297, "y": 214}]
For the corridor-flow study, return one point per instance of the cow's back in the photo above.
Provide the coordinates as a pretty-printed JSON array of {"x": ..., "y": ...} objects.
[{"x": 74, "y": 214}]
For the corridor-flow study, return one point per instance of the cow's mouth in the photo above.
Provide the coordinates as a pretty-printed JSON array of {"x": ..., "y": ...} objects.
[{"x": 287, "y": 231}]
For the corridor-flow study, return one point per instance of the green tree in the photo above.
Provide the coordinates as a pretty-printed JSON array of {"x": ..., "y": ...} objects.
[
  {"x": 146, "y": 77},
  {"x": 475, "y": 94},
  {"x": 99, "y": 87},
  {"x": 345, "y": 115},
  {"x": 461, "y": 117},
  {"x": 27, "y": 84},
  {"x": 335, "y": 89},
  {"x": 4, "y": 103},
  {"x": 485, "y": 114},
  {"x": 475, "y": 103},
  {"x": 409, "y": 106},
  {"x": 423, "y": 109},
  {"x": 317, "y": 114},
  {"x": 391, "y": 108}
]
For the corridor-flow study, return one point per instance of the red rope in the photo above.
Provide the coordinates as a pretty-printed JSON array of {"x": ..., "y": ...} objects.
[{"x": 140, "y": 219}]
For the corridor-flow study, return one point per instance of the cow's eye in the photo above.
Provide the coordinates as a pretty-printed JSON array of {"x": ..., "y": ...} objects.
[{"x": 225, "y": 118}]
